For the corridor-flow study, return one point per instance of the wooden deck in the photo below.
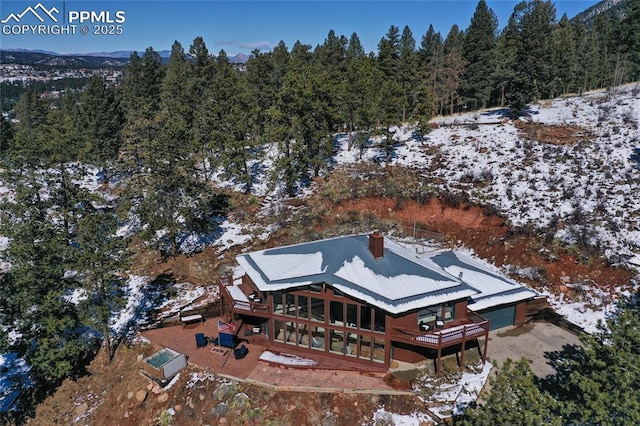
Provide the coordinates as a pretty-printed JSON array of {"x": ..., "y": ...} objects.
[
  {"x": 457, "y": 333},
  {"x": 328, "y": 374},
  {"x": 183, "y": 340}
]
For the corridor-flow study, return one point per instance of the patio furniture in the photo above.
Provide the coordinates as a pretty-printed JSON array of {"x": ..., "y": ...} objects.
[
  {"x": 201, "y": 340},
  {"x": 190, "y": 319},
  {"x": 226, "y": 340},
  {"x": 240, "y": 352}
]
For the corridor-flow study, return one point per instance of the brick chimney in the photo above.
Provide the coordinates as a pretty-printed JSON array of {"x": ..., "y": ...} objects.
[{"x": 376, "y": 245}]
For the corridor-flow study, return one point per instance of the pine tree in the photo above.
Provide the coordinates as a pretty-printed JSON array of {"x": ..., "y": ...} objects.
[
  {"x": 389, "y": 53},
  {"x": 100, "y": 268},
  {"x": 139, "y": 91},
  {"x": 531, "y": 28},
  {"x": 449, "y": 79},
  {"x": 600, "y": 383},
  {"x": 564, "y": 56},
  {"x": 100, "y": 121},
  {"x": 389, "y": 61},
  {"x": 431, "y": 59},
  {"x": 350, "y": 97},
  {"x": 407, "y": 63},
  {"x": 354, "y": 48},
  {"x": 230, "y": 116},
  {"x": 6, "y": 137},
  {"x": 514, "y": 399},
  {"x": 32, "y": 292},
  {"x": 630, "y": 39},
  {"x": 480, "y": 55}
]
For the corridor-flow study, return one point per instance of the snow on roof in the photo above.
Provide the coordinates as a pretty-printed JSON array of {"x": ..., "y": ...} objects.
[
  {"x": 236, "y": 293},
  {"x": 392, "y": 287},
  {"x": 398, "y": 282},
  {"x": 289, "y": 265},
  {"x": 494, "y": 288},
  {"x": 397, "y": 307}
]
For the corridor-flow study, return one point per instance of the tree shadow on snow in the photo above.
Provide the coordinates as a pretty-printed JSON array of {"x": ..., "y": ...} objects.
[
  {"x": 154, "y": 294},
  {"x": 635, "y": 157}
]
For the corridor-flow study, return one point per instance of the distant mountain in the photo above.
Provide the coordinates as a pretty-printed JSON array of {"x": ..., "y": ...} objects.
[
  {"x": 31, "y": 51},
  {"x": 240, "y": 58},
  {"x": 611, "y": 7},
  {"x": 52, "y": 59},
  {"x": 90, "y": 59}
]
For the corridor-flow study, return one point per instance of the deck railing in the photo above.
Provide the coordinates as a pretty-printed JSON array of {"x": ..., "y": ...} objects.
[
  {"x": 444, "y": 337},
  {"x": 242, "y": 306}
]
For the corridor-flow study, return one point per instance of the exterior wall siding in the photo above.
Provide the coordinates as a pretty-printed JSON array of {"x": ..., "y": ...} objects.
[{"x": 521, "y": 309}]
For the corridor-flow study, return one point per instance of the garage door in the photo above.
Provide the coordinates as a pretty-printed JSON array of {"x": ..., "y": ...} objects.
[{"x": 500, "y": 317}]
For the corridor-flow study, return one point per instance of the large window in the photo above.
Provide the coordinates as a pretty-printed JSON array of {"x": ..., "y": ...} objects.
[
  {"x": 278, "y": 331},
  {"x": 449, "y": 311},
  {"x": 352, "y": 315},
  {"x": 336, "y": 313},
  {"x": 277, "y": 303},
  {"x": 429, "y": 314},
  {"x": 378, "y": 351},
  {"x": 437, "y": 313},
  {"x": 365, "y": 318},
  {"x": 290, "y": 308},
  {"x": 341, "y": 327},
  {"x": 318, "y": 338},
  {"x": 337, "y": 341},
  {"x": 303, "y": 308},
  {"x": 317, "y": 309},
  {"x": 379, "y": 324}
]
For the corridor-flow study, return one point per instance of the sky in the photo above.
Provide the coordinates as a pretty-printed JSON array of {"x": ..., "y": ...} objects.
[{"x": 235, "y": 26}]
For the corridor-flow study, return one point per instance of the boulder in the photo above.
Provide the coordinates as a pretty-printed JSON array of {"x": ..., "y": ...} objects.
[
  {"x": 141, "y": 395},
  {"x": 81, "y": 409},
  {"x": 163, "y": 397}
]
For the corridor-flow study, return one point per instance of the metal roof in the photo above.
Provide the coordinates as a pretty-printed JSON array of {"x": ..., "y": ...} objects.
[
  {"x": 400, "y": 281},
  {"x": 397, "y": 282}
]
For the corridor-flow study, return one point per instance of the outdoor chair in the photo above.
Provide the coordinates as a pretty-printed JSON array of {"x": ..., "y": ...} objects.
[
  {"x": 201, "y": 340},
  {"x": 227, "y": 340},
  {"x": 240, "y": 352}
]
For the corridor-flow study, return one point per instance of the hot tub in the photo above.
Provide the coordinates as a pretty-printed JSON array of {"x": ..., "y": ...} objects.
[{"x": 164, "y": 364}]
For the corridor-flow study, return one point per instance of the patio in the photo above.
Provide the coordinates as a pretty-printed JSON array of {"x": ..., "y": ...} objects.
[{"x": 328, "y": 374}]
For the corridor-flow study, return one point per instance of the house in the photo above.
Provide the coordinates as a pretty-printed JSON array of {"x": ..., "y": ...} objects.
[{"x": 370, "y": 299}]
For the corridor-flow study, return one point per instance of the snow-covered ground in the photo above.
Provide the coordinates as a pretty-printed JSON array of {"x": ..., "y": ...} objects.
[
  {"x": 15, "y": 375},
  {"x": 535, "y": 183},
  {"x": 384, "y": 417},
  {"x": 450, "y": 398}
]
